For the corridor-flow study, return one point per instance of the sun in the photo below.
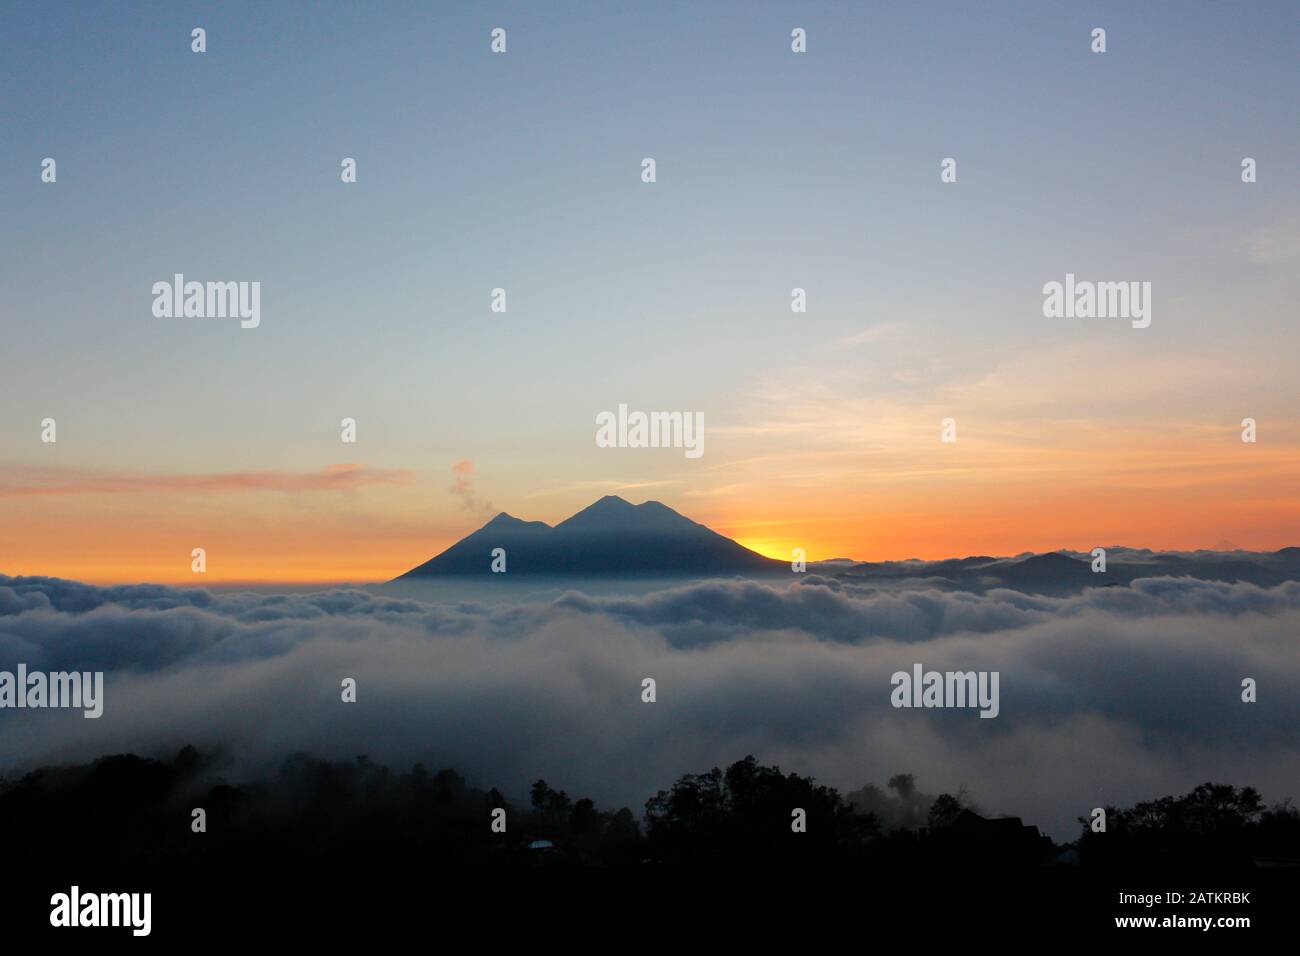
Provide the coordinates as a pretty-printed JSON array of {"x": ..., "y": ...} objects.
[{"x": 777, "y": 548}]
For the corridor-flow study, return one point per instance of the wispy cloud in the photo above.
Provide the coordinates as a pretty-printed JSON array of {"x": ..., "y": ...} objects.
[
  {"x": 346, "y": 476},
  {"x": 1275, "y": 244},
  {"x": 875, "y": 333}
]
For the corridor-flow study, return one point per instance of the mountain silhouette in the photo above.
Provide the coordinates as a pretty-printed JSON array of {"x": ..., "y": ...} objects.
[
  {"x": 1060, "y": 573},
  {"x": 610, "y": 537}
]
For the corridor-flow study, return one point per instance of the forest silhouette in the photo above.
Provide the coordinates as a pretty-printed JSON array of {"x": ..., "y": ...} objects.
[{"x": 131, "y": 813}]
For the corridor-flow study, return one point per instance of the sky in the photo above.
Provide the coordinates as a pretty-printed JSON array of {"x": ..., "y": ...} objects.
[{"x": 522, "y": 171}]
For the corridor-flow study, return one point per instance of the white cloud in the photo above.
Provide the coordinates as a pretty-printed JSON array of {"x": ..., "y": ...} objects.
[{"x": 1114, "y": 695}]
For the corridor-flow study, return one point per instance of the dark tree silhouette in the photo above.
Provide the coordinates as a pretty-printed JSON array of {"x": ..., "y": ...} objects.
[
  {"x": 124, "y": 814},
  {"x": 746, "y": 815},
  {"x": 1213, "y": 825}
]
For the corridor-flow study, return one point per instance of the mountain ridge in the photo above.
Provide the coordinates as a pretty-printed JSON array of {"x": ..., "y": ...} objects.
[{"x": 611, "y": 536}]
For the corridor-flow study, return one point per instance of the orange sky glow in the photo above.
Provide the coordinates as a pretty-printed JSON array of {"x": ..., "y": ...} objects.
[{"x": 986, "y": 494}]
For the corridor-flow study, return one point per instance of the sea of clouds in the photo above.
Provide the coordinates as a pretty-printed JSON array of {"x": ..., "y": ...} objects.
[{"x": 1107, "y": 697}]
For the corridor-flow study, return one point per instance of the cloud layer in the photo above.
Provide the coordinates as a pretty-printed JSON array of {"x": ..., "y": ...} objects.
[{"x": 1109, "y": 696}]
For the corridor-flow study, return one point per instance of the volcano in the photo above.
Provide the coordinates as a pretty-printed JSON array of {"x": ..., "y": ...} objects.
[{"x": 610, "y": 537}]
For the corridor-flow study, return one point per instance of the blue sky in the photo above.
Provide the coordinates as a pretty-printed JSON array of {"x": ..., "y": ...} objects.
[{"x": 522, "y": 171}]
